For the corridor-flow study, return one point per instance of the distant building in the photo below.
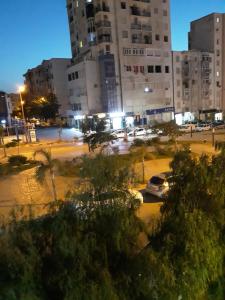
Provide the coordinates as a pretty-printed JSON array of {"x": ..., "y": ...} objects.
[
  {"x": 121, "y": 54},
  {"x": 15, "y": 101},
  {"x": 49, "y": 78},
  {"x": 5, "y": 109},
  {"x": 207, "y": 35},
  {"x": 194, "y": 85}
]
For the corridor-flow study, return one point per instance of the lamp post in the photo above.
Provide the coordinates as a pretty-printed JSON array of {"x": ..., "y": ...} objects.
[{"x": 21, "y": 90}]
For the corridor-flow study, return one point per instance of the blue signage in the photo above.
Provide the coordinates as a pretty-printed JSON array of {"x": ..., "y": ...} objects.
[{"x": 157, "y": 111}]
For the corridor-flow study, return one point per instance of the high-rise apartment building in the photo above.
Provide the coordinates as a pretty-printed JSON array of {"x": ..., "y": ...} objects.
[
  {"x": 5, "y": 109},
  {"x": 121, "y": 59},
  {"x": 194, "y": 85},
  {"x": 208, "y": 35},
  {"x": 49, "y": 78}
]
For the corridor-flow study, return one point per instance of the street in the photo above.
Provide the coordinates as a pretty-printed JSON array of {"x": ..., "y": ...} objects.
[{"x": 22, "y": 189}]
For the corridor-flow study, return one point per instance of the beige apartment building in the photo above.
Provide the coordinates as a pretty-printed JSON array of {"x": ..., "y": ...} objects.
[
  {"x": 121, "y": 60},
  {"x": 49, "y": 78},
  {"x": 194, "y": 85},
  {"x": 208, "y": 35}
]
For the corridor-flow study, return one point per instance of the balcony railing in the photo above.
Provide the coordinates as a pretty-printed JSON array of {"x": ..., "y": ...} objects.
[{"x": 104, "y": 23}]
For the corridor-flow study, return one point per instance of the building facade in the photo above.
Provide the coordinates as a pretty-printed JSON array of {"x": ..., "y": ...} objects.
[
  {"x": 5, "y": 109},
  {"x": 208, "y": 35},
  {"x": 194, "y": 85},
  {"x": 49, "y": 78},
  {"x": 122, "y": 61}
]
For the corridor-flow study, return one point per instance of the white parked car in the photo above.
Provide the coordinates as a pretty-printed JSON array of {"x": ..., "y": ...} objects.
[
  {"x": 137, "y": 132},
  {"x": 158, "y": 185},
  {"x": 136, "y": 195},
  {"x": 187, "y": 128},
  {"x": 203, "y": 127},
  {"x": 119, "y": 133}
]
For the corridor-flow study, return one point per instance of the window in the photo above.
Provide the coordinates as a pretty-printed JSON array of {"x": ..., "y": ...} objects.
[
  {"x": 135, "y": 69},
  {"x": 177, "y": 70},
  {"x": 125, "y": 34},
  {"x": 166, "y": 38},
  {"x": 76, "y": 75},
  {"x": 156, "y": 11},
  {"x": 76, "y": 107},
  {"x": 167, "y": 69},
  {"x": 165, "y": 13},
  {"x": 157, "y": 37},
  {"x": 123, "y": 5},
  {"x": 107, "y": 48},
  {"x": 177, "y": 58},
  {"x": 151, "y": 69},
  {"x": 69, "y": 77},
  {"x": 142, "y": 69},
  {"x": 158, "y": 69}
]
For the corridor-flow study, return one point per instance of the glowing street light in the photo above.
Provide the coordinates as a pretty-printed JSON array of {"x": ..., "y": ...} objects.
[{"x": 22, "y": 90}]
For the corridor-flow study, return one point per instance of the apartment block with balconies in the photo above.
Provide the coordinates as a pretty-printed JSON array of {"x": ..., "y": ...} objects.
[
  {"x": 129, "y": 46},
  {"x": 208, "y": 34},
  {"x": 194, "y": 85}
]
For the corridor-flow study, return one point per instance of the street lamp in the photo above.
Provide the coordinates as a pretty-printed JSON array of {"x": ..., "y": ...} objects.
[{"x": 21, "y": 90}]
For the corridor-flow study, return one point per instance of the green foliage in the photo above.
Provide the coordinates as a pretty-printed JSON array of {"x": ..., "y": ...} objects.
[
  {"x": 44, "y": 167},
  {"x": 11, "y": 144},
  {"x": 171, "y": 129},
  {"x": 97, "y": 139},
  {"x": 107, "y": 173},
  {"x": 138, "y": 143},
  {"x": 17, "y": 160},
  {"x": 187, "y": 245},
  {"x": 42, "y": 108},
  {"x": 99, "y": 136}
]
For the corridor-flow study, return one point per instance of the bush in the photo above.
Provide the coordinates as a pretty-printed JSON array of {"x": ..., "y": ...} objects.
[
  {"x": 17, "y": 160},
  {"x": 11, "y": 144},
  {"x": 138, "y": 143},
  {"x": 153, "y": 141}
]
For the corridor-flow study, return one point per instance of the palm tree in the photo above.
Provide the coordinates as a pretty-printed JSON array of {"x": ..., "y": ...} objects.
[{"x": 49, "y": 165}]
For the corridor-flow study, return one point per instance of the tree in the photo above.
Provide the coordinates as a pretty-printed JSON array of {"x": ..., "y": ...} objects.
[
  {"x": 48, "y": 166},
  {"x": 171, "y": 129},
  {"x": 2, "y": 144},
  {"x": 42, "y": 107},
  {"x": 187, "y": 245},
  {"x": 95, "y": 134}
]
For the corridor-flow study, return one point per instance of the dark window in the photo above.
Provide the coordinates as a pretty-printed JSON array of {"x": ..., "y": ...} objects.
[
  {"x": 166, "y": 38},
  {"x": 69, "y": 77},
  {"x": 150, "y": 69},
  {"x": 123, "y": 5},
  {"x": 157, "y": 37},
  {"x": 158, "y": 69},
  {"x": 76, "y": 75},
  {"x": 167, "y": 69}
]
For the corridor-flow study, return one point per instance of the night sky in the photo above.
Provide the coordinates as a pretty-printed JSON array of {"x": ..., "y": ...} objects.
[{"x": 33, "y": 30}]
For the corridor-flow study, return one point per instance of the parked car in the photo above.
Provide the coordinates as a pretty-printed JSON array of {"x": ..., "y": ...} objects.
[
  {"x": 136, "y": 195},
  {"x": 187, "y": 128},
  {"x": 137, "y": 132},
  {"x": 158, "y": 185},
  {"x": 203, "y": 127},
  {"x": 119, "y": 133},
  {"x": 219, "y": 124}
]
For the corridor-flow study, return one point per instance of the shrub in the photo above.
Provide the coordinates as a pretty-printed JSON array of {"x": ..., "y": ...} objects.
[
  {"x": 11, "y": 144},
  {"x": 17, "y": 160},
  {"x": 138, "y": 143}
]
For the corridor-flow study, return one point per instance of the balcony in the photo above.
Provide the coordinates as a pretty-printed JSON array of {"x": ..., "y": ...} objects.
[
  {"x": 104, "y": 23},
  {"x": 136, "y": 11},
  {"x": 144, "y": 1},
  {"x": 139, "y": 26},
  {"x": 103, "y": 8},
  {"x": 104, "y": 38}
]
